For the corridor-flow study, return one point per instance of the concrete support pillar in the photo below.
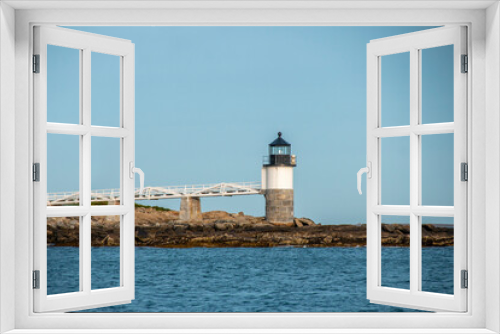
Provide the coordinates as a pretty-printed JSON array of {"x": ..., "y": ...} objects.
[
  {"x": 190, "y": 209},
  {"x": 279, "y": 205}
]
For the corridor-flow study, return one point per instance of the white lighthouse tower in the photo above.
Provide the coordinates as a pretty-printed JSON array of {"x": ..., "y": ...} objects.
[{"x": 277, "y": 181}]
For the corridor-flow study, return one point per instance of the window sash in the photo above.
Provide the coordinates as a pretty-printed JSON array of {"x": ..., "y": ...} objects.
[
  {"x": 413, "y": 43},
  {"x": 86, "y": 43}
]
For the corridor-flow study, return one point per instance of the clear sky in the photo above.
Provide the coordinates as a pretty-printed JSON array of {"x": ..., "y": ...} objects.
[{"x": 210, "y": 99}]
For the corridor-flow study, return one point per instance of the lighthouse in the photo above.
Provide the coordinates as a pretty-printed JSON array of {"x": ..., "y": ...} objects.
[{"x": 277, "y": 181}]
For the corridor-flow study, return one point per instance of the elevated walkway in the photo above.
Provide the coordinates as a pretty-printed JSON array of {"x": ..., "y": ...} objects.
[
  {"x": 189, "y": 194},
  {"x": 156, "y": 193}
]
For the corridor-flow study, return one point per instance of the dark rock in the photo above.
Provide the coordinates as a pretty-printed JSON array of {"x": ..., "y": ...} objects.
[
  {"x": 429, "y": 227},
  {"x": 306, "y": 221},
  {"x": 181, "y": 228},
  {"x": 405, "y": 229},
  {"x": 223, "y": 226},
  {"x": 221, "y": 229},
  {"x": 141, "y": 231},
  {"x": 388, "y": 227},
  {"x": 298, "y": 222},
  {"x": 196, "y": 227}
]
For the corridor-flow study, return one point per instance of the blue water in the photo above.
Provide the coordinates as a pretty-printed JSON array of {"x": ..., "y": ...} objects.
[{"x": 282, "y": 279}]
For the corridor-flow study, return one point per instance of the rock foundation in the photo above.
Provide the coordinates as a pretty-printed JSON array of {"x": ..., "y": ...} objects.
[{"x": 221, "y": 229}]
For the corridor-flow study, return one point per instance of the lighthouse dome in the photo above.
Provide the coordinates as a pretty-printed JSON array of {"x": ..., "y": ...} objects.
[{"x": 279, "y": 141}]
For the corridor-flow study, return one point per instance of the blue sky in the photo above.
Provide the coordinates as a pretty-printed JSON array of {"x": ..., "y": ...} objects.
[{"x": 210, "y": 99}]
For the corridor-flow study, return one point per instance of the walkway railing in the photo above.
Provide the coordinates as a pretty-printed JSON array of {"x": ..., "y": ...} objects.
[{"x": 156, "y": 193}]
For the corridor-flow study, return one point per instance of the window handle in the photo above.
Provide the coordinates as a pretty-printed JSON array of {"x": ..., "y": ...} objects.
[
  {"x": 368, "y": 171},
  {"x": 139, "y": 171}
]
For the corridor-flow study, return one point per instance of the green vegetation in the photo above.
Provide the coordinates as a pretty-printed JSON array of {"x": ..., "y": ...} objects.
[
  {"x": 93, "y": 203},
  {"x": 100, "y": 203},
  {"x": 157, "y": 208}
]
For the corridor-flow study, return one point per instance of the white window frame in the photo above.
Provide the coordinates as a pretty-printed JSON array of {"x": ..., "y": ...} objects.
[{"x": 482, "y": 19}]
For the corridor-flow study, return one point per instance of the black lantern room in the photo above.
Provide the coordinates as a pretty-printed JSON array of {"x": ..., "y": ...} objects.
[{"x": 280, "y": 153}]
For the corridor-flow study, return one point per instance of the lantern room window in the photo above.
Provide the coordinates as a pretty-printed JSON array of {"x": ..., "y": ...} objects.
[{"x": 280, "y": 150}]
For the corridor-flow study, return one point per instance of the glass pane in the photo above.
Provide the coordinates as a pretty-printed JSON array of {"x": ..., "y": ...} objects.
[
  {"x": 105, "y": 90},
  {"x": 395, "y": 170},
  {"x": 63, "y": 255},
  {"x": 63, "y": 169},
  {"x": 437, "y": 169},
  {"x": 395, "y": 89},
  {"x": 437, "y": 84},
  {"x": 437, "y": 254},
  {"x": 105, "y": 171},
  {"x": 105, "y": 239},
  {"x": 395, "y": 251},
  {"x": 63, "y": 85}
]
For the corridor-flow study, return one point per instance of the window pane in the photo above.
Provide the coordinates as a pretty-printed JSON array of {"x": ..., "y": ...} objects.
[
  {"x": 437, "y": 254},
  {"x": 63, "y": 85},
  {"x": 437, "y": 169},
  {"x": 63, "y": 169},
  {"x": 105, "y": 239},
  {"x": 395, "y": 89},
  {"x": 395, "y": 171},
  {"x": 395, "y": 252},
  {"x": 437, "y": 84},
  {"x": 105, "y": 90},
  {"x": 106, "y": 171},
  {"x": 63, "y": 255}
]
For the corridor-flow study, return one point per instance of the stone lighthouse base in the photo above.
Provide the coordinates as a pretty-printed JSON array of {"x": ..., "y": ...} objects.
[{"x": 279, "y": 205}]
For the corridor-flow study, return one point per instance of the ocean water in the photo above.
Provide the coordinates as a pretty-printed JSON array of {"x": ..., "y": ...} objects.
[{"x": 281, "y": 279}]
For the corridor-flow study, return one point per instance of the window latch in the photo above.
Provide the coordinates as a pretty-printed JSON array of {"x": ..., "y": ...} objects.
[
  {"x": 132, "y": 171},
  {"x": 368, "y": 171}
]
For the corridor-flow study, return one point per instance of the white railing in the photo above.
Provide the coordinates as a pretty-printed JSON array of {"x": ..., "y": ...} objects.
[{"x": 154, "y": 193}]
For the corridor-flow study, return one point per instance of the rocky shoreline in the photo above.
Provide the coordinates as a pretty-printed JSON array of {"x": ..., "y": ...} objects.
[{"x": 158, "y": 228}]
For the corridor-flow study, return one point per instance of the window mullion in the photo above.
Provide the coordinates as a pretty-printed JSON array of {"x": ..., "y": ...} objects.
[
  {"x": 434, "y": 129},
  {"x": 415, "y": 242},
  {"x": 85, "y": 162},
  {"x": 127, "y": 237},
  {"x": 67, "y": 129},
  {"x": 373, "y": 185},
  {"x": 85, "y": 177}
]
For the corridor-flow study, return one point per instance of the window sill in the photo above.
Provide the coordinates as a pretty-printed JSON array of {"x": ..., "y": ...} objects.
[{"x": 253, "y": 331}]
